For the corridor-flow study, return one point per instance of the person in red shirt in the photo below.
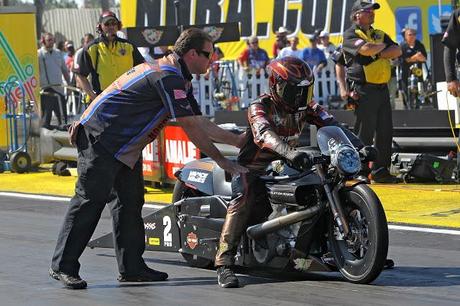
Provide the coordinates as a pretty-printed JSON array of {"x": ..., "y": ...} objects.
[{"x": 254, "y": 57}]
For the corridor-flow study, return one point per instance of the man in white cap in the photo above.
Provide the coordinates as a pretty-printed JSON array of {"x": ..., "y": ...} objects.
[
  {"x": 292, "y": 50},
  {"x": 281, "y": 41},
  {"x": 325, "y": 45}
]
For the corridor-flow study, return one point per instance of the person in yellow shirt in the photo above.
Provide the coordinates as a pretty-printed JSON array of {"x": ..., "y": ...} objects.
[
  {"x": 368, "y": 52},
  {"x": 106, "y": 58}
]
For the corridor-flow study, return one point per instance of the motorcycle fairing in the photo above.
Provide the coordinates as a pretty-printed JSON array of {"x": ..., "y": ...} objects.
[
  {"x": 207, "y": 177},
  {"x": 161, "y": 232},
  {"x": 200, "y": 220}
]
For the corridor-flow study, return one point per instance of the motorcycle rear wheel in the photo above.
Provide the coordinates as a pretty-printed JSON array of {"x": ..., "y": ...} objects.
[
  {"x": 360, "y": 258},
  {"x": 180, "y": 192}
]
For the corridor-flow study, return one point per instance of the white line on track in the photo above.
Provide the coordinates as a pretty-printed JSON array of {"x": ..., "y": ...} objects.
[
  {"x": 57, "y": 199},
  {"x": 34, "y": 196},
  {"x": 158, "y": 206},
  {"x": 423, "y": 229}
]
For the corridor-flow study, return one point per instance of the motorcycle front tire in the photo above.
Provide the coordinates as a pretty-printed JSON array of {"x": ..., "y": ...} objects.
[{"x": 361, "y": 256}]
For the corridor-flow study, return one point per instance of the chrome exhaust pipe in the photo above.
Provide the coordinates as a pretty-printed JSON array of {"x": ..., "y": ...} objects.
[{"x": 260, "y": 230}]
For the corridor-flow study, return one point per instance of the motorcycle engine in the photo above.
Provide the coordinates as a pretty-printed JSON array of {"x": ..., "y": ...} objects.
[{"x": 279, "y": 243}]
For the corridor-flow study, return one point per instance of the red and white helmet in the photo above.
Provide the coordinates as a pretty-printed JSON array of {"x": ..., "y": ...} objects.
[{"x": 291, "y": 83}]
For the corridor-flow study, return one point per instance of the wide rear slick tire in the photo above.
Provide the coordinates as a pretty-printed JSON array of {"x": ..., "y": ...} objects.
[
  {"x": 180, "y": 192},
  {"x": 368, "y": 224}
]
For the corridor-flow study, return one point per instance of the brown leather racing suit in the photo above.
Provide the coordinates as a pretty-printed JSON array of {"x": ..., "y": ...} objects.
[{"x": 273, "y": 133}]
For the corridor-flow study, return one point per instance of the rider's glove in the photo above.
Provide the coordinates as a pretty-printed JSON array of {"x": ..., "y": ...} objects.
[{"x": 300, "y": 160}]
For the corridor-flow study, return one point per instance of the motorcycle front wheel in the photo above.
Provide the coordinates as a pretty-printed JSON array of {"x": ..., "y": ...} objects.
[
  {"x": 181, "y": 191},
  {"x": 360, "y": 257}
]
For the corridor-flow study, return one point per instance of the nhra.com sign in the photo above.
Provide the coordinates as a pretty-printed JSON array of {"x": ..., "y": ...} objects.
[{"x": 255, "y": 17}]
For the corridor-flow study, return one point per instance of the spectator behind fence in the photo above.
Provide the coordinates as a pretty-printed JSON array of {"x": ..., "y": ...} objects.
[
  {"x": 85, "y": 41},
  {"x": 107, "y": 57},
  {"x": 70, "y": 55},
  {"x": 292, "y": 50},
  {"x": 325, "y": 45},
  {"x": 52, "y": 69},
  {"x": 281, "y": 41},
  {"x": 60, "y": 45},
  {"x": 314, "y": 56},
  {"x": 413, "y": 52},
  {"x": 217, "y": 55},
  {"x": 254, "y": 57}
]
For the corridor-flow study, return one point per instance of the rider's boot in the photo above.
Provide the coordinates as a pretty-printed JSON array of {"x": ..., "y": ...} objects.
[{"x": 226, "y": 278}]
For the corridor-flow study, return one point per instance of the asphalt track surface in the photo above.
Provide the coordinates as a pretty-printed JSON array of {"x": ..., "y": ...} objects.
[{"x": 427, "y": 271}]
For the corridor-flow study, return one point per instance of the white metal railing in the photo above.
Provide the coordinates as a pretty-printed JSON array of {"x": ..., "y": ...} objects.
[{"x": 250, "y": 87}]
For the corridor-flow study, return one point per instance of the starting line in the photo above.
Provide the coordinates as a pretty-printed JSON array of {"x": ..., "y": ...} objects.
[{"x": 156, "y": 206}]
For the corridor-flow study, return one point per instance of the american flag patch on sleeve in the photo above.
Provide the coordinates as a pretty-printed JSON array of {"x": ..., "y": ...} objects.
[
  {"x": 179, "y": 94},
  {"x": 358, "y": 42}
]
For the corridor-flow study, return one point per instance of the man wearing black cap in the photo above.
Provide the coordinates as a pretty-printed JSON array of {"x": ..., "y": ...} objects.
[
  {"x": 451, "y": 41},
  {"x": 368, "y": 52},
  {"x": 106, "y": 58}
]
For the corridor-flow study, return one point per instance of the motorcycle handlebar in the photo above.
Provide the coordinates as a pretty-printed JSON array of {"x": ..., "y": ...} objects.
[{"x": 316, "y": 160}]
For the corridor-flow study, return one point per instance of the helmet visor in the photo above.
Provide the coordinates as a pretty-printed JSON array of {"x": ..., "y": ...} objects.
[{"x": 297, "y": 96}]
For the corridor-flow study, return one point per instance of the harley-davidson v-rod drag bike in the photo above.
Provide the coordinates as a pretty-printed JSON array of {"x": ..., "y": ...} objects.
[{"x": 322, "y": 219}]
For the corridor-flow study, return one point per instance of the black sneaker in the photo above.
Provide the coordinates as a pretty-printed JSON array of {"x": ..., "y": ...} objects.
[
  {"x": 226, "y": 278},
  {"x": 69, "y": 281},
  {"x": 147, "y": 275}
]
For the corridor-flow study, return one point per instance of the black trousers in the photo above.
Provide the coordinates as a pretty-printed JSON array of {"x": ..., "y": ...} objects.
[
  {"x": 101, "y": 178},
  {"x": 374, "y": 121},
  {"x": 51, "y": 103}
]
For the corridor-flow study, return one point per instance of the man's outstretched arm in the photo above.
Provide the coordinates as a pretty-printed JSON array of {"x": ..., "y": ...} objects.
[{"x": 198, "y": 134}]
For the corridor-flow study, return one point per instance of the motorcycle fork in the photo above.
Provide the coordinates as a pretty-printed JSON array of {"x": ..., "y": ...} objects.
[{"x": 334, "y": 202}]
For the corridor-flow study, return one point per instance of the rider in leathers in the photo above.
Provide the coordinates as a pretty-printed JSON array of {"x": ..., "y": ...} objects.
[{"x": 275, "y": 122}]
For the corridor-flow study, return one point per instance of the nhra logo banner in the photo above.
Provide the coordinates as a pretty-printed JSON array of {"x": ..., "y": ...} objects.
[
  {"x": 264, "y": 17},
  {"x": 256, "y": 17}
]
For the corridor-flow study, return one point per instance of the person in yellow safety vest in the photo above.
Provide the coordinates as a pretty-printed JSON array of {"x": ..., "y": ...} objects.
[
  {"x": 368, "y": 52},
  {"x": 106, "y": 58}
]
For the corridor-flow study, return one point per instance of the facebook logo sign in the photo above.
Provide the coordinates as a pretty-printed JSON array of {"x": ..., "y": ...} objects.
[
  {"x": 408, "y": 17},
  {"x": 434, "y": 17}
]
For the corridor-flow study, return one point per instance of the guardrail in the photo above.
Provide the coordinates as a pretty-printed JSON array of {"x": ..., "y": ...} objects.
[{"x": 248, "y": 87}]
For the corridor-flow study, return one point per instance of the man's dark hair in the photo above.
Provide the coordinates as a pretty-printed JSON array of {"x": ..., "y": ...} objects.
[{"x": 192, "y": 38}]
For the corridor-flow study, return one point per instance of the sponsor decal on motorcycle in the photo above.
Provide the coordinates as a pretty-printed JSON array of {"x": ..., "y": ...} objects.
[
  {"x": 167, "y": 236},
  {"x": 302, "y": 264},
  {"x": 150, "y": 226},
  {"x": 198, "y": 177},
  {"x": 192, "y": 240},
  {"x": 154, "y": 241}
]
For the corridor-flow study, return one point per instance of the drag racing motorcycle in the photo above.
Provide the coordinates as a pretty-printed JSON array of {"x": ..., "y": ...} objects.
[{"x": 322, "y": 219}]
